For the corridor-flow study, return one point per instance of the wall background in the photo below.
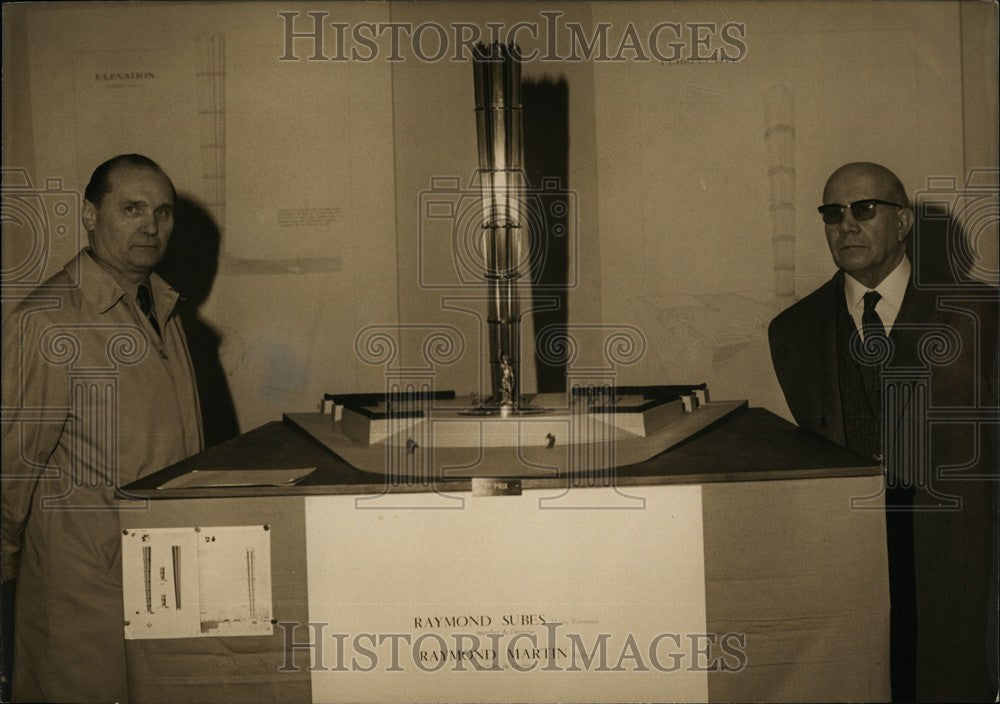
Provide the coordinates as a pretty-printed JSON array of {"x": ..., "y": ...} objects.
[{"x": 694, "y": 184}]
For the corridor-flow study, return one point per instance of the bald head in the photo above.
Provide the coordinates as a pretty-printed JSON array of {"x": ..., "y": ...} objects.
[
  {"x": 868, "y": 242},
  {"x": 875, "y": 178}
]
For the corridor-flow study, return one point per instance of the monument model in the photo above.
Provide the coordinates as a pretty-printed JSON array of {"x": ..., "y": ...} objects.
[
  {"x": 638, "y": 422},
  {"x": 497, "y": 74}
]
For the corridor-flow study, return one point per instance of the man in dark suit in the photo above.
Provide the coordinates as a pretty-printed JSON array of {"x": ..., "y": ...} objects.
[{"x": 906, "y": 375}]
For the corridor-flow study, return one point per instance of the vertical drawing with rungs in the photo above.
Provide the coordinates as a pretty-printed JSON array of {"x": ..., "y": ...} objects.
[{"x": 198, "y": 581}]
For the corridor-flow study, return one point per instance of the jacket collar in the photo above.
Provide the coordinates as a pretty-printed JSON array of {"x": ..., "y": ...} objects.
[{"x": 103, "y": 291}]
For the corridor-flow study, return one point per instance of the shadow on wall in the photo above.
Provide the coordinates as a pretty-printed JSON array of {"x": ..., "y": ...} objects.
[
  {"x": 190, "y": 266},
  {"x": 946, "y": 260},
  {"x": 545, "y": 116},
  {"x": 943, "y": 253}
]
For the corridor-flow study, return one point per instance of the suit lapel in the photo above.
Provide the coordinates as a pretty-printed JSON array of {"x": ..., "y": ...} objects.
[{"x": 827, "y": 365}]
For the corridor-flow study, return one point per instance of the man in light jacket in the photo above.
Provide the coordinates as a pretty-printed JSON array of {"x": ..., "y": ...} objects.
[{"x": 99, "y": 390}]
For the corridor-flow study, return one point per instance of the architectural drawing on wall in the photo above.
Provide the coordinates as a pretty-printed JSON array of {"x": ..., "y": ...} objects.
[
  {"x": 212, "y": 125},
  {"x": 703, "y": 334},
  {"x": 211, "y": 77},
  {"x": 720, "y": 336},
  {"x": 779, "y": 137}
]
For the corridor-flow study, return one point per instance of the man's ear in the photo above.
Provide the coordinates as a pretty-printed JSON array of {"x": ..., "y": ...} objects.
[
  {"x": 905, "y": 223},
  {"x": 89, "y": 215}
]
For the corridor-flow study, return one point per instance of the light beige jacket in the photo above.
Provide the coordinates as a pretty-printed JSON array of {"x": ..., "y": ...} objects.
[{"x": 92, "y": 400}]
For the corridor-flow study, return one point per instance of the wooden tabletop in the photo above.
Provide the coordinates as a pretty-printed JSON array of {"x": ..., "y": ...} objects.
[{"x": 751, "y": 445}]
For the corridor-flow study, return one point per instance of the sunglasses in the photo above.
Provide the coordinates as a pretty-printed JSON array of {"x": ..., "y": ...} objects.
[{"x": 833, "y": 214}]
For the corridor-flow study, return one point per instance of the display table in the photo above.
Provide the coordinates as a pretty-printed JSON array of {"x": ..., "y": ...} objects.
[{"x": 747, "y": 564}]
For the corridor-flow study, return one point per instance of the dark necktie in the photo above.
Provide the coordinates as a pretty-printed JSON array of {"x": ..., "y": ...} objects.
[
  {"x": 871, "y": 324},
  {"x": 145, "y": 301}
]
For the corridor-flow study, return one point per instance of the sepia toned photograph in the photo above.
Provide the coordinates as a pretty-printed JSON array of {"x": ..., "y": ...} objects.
[{"x": 447, "y": 351}]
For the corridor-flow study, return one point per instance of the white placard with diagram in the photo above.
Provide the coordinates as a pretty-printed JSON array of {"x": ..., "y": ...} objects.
[{"x": 197, "y": 581}]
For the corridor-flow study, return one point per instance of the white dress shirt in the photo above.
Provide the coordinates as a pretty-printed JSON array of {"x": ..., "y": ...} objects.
[{"x": 892, "y": 289}]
